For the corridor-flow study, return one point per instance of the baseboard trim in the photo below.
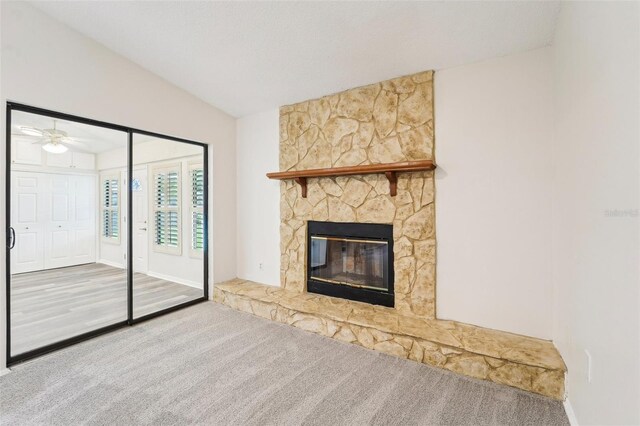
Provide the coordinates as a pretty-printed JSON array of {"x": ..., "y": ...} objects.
[
  {"x": 176, "y": 280},
  {"x": 182, "y": 281},
  {"x": 110, "y": 263},
  {"x": 4, "y": 371},
  {"x": 573, "y": 421}
]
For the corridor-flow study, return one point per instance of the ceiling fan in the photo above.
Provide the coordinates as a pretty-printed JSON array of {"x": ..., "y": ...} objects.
[{"x": 52, "y": 140}]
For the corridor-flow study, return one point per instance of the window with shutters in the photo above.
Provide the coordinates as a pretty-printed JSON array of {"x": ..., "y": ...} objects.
[
  {"x": 110, "y": 208},
  {"x": 196, "y": 209},
  {"x": 166, "y": 209}
]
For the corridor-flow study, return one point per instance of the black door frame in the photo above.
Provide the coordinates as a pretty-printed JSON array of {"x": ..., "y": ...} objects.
[{"x": 14, "y": 106}]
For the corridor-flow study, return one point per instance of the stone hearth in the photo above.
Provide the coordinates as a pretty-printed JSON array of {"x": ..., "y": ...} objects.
[{"x": 523, "y": 362}]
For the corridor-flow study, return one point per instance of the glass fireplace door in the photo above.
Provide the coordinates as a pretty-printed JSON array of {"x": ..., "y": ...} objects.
[{"x": 353, "y": 262}]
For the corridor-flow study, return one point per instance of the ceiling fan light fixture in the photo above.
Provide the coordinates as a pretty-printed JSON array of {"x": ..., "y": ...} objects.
[
  {"x": 55, "y": 148},
  {"x": 30, "y": 131}
]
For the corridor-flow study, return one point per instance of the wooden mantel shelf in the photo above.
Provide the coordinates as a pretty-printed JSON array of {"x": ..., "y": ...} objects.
[{"x": 390, "y": 170}]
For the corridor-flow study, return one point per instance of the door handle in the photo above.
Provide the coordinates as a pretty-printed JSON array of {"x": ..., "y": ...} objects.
[
  {"x": 142, "y": 229},
  {"x": 11, "y": 238}
]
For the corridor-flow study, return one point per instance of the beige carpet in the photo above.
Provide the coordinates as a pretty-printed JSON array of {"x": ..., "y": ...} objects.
[{"x": 209, "y": 364}]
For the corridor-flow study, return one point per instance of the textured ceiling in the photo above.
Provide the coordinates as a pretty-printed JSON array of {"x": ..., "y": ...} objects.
[{"x": 245, "y": 57}]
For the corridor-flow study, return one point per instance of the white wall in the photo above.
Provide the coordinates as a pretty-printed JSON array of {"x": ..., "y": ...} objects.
[
  {"x": 493, "y": 128},
  {"x": 596, "y": 173},
  {"x": 46, "y": 64},
  {"x": 258, "y": 202}
]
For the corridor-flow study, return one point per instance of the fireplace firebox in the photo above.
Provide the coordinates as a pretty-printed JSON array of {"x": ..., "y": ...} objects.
[{"x": 351, "y": 260}]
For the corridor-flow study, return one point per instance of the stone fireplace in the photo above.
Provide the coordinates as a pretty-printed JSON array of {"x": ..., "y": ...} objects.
[
  {"x": 351, "y": 260},
  {"x": 386, "y": 122}
]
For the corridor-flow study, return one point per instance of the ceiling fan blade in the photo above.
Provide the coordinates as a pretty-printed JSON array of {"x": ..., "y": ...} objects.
[
  {"x": 24, "y": 135},
  {"x": 83, "y": 144},
  {"x": 30, "y": 131}
]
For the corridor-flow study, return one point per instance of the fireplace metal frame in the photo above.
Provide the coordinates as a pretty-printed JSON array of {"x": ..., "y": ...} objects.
[{"x": 360, "y": 231}]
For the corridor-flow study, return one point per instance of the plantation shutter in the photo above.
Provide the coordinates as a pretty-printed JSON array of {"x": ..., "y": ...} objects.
[
  {"x": 111, "y": 208},
  {"x": 167, "y": 209},
  {"x": 197, "y": 209}
]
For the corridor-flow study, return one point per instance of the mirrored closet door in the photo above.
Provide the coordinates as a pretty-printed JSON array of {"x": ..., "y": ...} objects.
[
  {"x": 106, "y": 226},
  {"x": 168, "y": 203},
  {"x": 67, "y": 184}
]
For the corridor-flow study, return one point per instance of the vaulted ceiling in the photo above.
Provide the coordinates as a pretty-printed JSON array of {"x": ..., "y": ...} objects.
[{"x": 245, "y": 57}]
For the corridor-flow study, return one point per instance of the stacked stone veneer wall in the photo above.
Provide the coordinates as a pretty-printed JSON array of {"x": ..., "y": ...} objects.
[{"x": 380, "y": 123}]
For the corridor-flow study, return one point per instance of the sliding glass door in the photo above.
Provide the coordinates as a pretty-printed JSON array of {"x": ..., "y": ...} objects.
[{"x": 106, "y": 225}]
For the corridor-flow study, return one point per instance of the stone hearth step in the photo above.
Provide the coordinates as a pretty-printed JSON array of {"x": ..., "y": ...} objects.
[{"x": 523, "y": 362}]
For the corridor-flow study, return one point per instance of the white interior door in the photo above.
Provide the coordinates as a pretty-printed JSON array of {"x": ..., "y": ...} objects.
[
  {"x": 84, "y": 215},
  {"x": 69, "y": 219},
  {"x": 124, "y": 227},
  {"x": 58, "y": 241},
  {"x": 140, "y": 192},
  {"x": 27, "y": 214}
]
